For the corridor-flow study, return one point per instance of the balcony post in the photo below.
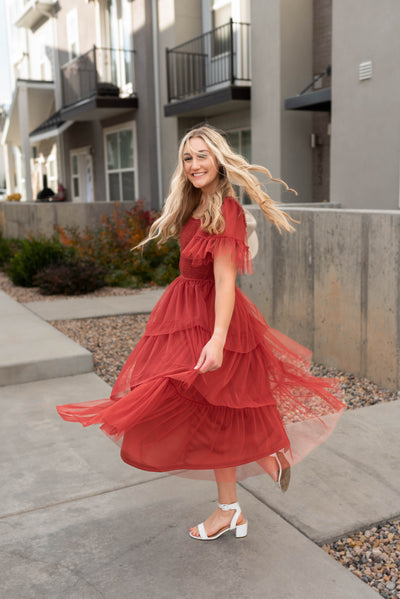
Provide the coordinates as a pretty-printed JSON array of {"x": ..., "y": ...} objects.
[
  {"x": 168, "y": 74},
  {"x": 231, "y": 65}
]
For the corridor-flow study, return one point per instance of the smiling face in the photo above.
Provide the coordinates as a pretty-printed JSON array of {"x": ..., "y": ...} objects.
[{"x": 200, "y": 165}]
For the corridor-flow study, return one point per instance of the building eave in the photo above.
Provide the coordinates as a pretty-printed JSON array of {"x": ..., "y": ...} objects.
[
  {"x": 225, "y": 99},
  {"x": 98, "y": 108},
  {"x": 318, "y": 100}
]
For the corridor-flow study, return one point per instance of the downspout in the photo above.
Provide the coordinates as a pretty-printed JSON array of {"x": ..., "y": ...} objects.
[{"x": 157, "y": 98}]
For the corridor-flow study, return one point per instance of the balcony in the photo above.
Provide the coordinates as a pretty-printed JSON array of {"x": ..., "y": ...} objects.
[
  {"x": 211, "y": 73},
  {"x": 315, "y": 100},
  {"x": 98, "y": 84},
  {"x": 35, "y": 13}
]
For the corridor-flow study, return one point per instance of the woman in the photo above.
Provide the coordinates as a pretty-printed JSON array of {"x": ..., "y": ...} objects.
[{"x": 211, "y": 391}]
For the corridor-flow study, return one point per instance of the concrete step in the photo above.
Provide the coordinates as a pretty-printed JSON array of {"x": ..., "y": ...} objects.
[
  {"x": 31, "y": 349},
  {"x": 73, "y": 308}
]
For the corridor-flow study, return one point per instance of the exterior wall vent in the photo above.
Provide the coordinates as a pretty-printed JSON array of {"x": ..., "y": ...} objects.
[{"x": 365, "y": 70}]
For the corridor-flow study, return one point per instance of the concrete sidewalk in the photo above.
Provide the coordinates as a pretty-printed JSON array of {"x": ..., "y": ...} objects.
[
  {"x": 78, "y": 523},
  {"x": 64, "y": 309},
  {"x": 31, "y": 349}
]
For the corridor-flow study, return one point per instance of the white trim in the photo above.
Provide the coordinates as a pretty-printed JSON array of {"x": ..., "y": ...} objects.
[{"x": 128, "y": 125}]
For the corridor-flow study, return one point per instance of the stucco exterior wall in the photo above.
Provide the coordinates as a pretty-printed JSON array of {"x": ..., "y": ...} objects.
[
  {"x": 365, "y": 147},
  {"x": 334, "y": 286},
  {"x": 296, "y": 71},
  {"x": 266, "y": 88},
  {"x": 178, "y": 22},
  {"x": 145, "y": 114}
]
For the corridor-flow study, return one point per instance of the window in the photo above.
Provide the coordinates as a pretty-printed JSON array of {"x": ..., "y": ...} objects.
[
  {"x": 240, "y": 141},
  {"x": 120, "y": 164},
  {"x": 75, "y": 177},
  {"x": 221, "y": 14},
  {"x": 52, "y": 175},
  {"x": 120, "y": 34}
]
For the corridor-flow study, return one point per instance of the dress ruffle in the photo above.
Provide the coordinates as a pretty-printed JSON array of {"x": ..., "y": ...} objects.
[
  {"x": 166, "y": 416},
  {"x": 202, "y": 248}
]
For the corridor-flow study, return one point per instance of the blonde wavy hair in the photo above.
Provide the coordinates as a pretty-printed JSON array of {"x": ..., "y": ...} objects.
[{"x": 233, "y": 169}]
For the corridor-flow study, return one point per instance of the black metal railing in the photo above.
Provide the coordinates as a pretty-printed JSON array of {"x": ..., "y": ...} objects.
[
  {"x": 209, "y": 60},
  {"x": 100, "y": 71}
]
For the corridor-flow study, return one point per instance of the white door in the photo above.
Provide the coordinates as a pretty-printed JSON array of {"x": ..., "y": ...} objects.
[{"x": 81, "y": 175}]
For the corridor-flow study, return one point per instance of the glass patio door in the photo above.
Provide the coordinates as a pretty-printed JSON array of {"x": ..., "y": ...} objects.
[{"x": 120, "y": 32}]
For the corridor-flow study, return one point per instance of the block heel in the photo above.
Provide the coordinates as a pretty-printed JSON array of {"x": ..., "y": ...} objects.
[{"x": 241, "y": 530}]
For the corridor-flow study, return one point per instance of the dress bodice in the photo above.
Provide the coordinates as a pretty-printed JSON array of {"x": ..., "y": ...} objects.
[
  {"x": 199, "y": 248},
  {"x": 187, "y": 269}
]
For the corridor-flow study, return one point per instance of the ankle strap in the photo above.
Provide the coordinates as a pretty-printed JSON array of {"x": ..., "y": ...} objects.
[{"x": 229, "y": 506}]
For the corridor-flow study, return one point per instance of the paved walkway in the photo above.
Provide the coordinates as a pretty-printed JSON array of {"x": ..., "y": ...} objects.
[
  {"x": 78, "y": 523},
  {"x": 31, "y": 349},
  {"x": 74, "y": 308}
]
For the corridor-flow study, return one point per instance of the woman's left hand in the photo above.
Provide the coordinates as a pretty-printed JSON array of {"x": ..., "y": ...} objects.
[{"x": 211, "y": 356}]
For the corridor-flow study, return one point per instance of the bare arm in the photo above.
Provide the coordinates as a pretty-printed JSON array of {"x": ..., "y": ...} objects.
[{"x": 225, "y": 273}]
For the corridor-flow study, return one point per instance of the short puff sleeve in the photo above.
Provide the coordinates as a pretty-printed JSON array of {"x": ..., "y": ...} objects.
[{"x": 204, "y": 247}]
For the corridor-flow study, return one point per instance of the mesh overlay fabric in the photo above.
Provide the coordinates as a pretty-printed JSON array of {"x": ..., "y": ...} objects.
[{"x": 166, "y": 416}]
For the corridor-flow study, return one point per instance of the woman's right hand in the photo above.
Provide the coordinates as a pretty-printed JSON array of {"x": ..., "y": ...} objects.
[{"x": 211, "y": 356}]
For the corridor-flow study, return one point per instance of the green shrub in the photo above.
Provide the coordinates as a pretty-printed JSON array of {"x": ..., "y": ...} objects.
[
  {"x": 33, "y": 256},
  {"x": 72, "y": 277},
  {"x": 167, "y": 270},
  {"x": 110, "y": 246},
  {"x": 8, "y": 247}
]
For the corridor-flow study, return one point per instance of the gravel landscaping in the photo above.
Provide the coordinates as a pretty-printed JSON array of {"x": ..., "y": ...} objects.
[
  {"x": 373, "y": 555},
  {"x": 110, "y": 340}
]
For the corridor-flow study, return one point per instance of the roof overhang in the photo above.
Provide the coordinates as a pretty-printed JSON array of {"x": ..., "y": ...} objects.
[
  {"x": 35, "y": 12},
  {"x": 219, "y": 101},
  {"x": 98, "y": 108},
  {"x": 50, "y": 128},
  {"x": 318, "y": 100},
  {"x": 40, "y": 105}
]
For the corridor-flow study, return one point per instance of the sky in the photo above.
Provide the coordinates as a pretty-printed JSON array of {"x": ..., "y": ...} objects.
[{"x": 5, "y": 87}]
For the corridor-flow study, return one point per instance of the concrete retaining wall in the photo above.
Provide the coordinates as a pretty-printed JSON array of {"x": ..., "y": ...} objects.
[
  {"x": 21, "y": 219},
  {"x": 334, "y": 286}
]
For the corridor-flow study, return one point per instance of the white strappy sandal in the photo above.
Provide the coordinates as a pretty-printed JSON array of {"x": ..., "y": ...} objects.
[
  {"x": 283, "y": 477},
  {"x": 240, "y": 529}
]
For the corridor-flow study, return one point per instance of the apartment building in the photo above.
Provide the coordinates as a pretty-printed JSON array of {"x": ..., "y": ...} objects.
[
  {"x": 104, "y": 89},
  {"x": 73, "y": 115}
]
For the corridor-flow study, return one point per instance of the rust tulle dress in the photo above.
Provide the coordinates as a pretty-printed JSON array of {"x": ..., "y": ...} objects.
[{"x": 168, "y": 417}]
